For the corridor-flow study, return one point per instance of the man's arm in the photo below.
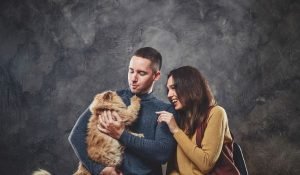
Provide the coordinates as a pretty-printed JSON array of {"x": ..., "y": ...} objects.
[
  {"x": 159, "y": 149},
  {"x": 77, "y": 139}
]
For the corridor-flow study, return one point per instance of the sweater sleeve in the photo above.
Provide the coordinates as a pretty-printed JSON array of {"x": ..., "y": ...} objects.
[
  {"x": 159, "y": 149},
  {"x": 206, "y": 156},
  {"x": 77, "y": 139}
]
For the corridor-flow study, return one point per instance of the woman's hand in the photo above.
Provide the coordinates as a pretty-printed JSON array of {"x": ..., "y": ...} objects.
[{"x": 169, "y": 119}]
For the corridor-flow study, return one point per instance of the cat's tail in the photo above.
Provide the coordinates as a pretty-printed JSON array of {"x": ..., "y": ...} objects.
[{"x": 41, "y": 172}]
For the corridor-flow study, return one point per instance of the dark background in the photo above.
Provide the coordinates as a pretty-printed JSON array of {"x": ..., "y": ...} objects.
[{"x": 55, "y": 55}]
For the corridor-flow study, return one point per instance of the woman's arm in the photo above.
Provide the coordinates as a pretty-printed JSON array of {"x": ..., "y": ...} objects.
[{"x": 206, "y": 156}]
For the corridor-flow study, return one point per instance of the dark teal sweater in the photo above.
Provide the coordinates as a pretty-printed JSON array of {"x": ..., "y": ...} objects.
[{"x": 142, "y": 156}]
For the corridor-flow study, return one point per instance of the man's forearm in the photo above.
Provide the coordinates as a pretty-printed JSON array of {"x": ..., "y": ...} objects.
[
  {"x": 159, "y": 149},
  {"x": 77, "y": 140}
]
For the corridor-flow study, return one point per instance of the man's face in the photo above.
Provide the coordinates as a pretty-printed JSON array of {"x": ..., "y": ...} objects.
[{"x": 141, "y": 75}]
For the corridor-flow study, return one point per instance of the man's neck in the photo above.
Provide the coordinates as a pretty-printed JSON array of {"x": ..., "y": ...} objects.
[
  {"x": 143, "y": 93},
  {"x": 149, "y": 91}
]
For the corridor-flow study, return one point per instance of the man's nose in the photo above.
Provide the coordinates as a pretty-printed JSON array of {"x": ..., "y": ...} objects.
[{"x": 134, "y": 77}]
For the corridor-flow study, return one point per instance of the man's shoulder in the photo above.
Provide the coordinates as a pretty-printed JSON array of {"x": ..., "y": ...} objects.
[
  {"x": 161, "y": 104},
  {"x": 124, "y": 93},
  {"x": 159, "y": 101},
  {"x": 165, "y": 106}
]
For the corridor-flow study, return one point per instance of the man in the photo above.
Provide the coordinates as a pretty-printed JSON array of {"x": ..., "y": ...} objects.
[{"x": 142, "y": 155}]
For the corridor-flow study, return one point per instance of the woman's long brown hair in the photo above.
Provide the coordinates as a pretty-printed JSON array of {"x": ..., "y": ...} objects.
[{"x": 194, "y": 93}]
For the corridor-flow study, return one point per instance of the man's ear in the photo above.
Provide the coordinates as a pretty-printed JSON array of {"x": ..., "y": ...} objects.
[{"x": 156, "y": 75}]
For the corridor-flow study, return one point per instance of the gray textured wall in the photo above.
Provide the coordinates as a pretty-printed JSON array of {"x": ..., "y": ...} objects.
[{"x": 56, "y": 54}]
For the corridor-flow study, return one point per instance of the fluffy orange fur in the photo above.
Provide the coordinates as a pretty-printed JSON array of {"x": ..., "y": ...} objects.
[{"x": 102, "y": 148}]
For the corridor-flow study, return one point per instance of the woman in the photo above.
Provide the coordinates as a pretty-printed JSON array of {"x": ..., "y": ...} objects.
[{"x": 190, "y": 94}]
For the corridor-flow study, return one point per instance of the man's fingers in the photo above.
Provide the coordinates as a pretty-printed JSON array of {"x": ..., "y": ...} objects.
[
  {"x": 100, "y": 120},
  {"x": 105, "y": 116},
  {"x": 104, "y": 119},
  {"x": 117, "y": 116},
  {"x": 101, "y": 129},
  {"x": 110, "y": 117},
  {"x": 103, "y": 125}
]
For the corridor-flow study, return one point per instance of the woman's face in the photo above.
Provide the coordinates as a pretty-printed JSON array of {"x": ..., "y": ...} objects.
[{"x": 172, "y": 95}]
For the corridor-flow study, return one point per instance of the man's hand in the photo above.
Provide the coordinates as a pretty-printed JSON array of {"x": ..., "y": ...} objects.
[
  {"x": 111, "y": 123},
  {"x": 110, "y": 171}
]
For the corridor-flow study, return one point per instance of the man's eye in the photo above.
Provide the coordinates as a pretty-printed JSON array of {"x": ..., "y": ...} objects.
[{"x": 142, "y": 73}]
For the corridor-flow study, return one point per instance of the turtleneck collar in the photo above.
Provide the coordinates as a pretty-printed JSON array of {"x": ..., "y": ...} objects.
[{"x": 143, "y": 97}]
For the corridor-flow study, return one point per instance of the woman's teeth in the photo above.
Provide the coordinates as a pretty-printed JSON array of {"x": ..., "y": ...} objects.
[{"x": 174, "y": 101}]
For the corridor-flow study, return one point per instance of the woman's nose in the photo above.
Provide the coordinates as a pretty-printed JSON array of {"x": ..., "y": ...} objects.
[{"x": 170, "y": 93}]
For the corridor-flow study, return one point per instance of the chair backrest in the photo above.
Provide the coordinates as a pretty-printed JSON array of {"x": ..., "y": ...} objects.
[{"x": 239, "y": 160}]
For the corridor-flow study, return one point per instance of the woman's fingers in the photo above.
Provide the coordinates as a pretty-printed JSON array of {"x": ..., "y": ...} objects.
[
  {"x": 163, "y": 118},
  {"x": 163, "y": 112},
  {"x": 170, "y": 121}
]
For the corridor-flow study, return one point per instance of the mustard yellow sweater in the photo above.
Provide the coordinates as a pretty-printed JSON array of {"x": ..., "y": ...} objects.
[{"x": 193, "y": 160}]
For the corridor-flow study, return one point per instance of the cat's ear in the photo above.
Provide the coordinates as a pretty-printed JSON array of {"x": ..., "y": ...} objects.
[{"x": 108, "y": 96}]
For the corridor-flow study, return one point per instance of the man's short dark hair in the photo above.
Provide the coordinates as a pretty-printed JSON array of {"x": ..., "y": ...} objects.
[{"x": 151, "y": 54}]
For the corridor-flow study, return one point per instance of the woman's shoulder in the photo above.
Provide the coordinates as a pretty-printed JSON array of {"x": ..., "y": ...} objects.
[
  {"x": 217, "y": 111},
  {"x": 217, "y": 108}
]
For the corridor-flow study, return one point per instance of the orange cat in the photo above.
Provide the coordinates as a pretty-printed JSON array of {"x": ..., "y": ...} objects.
[{"x": 100, "y": 147}]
